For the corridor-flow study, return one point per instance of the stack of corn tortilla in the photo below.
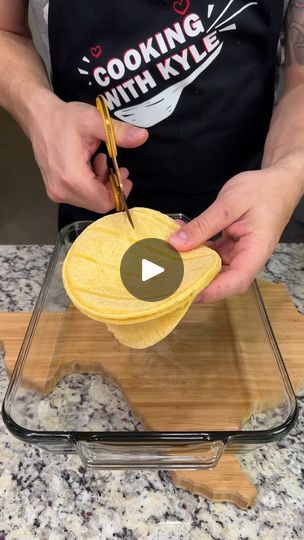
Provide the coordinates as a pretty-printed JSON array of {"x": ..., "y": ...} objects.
[{"x": 91, "y": 276}]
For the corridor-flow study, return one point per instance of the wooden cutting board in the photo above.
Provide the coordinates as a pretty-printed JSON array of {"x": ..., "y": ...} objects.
[{"x": 147, "y": 383}]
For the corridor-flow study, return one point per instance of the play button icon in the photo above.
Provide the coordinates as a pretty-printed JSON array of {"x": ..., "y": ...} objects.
[{"x": 151, "y": 270}]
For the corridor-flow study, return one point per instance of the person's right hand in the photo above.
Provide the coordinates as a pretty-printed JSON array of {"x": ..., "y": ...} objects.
[{"x": 64, "y": 138}]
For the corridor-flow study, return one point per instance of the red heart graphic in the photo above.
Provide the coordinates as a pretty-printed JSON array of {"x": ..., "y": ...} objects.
[
  {"x": 181, "y": 6},
  {"x": 96, "y": 51}
]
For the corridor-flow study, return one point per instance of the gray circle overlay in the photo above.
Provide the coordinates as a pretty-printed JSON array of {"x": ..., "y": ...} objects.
[{"x": 157, "y": 252}]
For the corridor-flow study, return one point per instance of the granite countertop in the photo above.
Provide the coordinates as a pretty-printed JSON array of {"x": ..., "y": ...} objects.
[{"x": 54, "y": 498}]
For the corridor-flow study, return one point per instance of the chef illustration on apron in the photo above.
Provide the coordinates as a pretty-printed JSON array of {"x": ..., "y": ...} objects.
[{"x": 198, "y": 74}]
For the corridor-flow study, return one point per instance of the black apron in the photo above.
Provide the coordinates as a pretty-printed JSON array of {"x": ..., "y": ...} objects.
[{"x": 198, "y": 74}]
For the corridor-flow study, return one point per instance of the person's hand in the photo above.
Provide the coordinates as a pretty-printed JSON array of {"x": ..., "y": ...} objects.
[
  {"x": 251, "y": 211},
  {"x": 64, "y": 138}
]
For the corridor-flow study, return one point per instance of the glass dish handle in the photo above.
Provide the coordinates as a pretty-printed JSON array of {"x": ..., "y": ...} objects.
[{"x": 101, "y": 455}]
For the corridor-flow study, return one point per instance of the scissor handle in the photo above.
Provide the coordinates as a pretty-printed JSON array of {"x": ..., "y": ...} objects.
[
  {"x": 108, "y": 125},
  {"x": 114, "y": 174},
  {"x": 115, "y": 189}
]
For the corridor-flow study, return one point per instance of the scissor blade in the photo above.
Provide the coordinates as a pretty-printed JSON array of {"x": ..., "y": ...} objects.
[
  {"x": 129, "y": 216},
  {"x": 126, "y": 209}
]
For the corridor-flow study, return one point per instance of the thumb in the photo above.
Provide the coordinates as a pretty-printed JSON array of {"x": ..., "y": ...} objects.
[
  {"x": 126, "y": 135},
  {"x": 211, "y": 222},
  {"x": 129, "y": 136}
]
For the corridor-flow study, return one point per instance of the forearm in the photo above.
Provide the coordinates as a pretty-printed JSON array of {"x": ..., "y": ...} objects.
[
  {"x": 24, "y": 85},
  {"x": 285, "y": 142}
]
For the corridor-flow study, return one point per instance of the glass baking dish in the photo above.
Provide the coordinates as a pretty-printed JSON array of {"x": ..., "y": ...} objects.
[{"x": 216, "y": 384}]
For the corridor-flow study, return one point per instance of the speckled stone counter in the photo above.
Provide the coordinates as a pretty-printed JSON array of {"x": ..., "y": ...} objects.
[{"x": 53, "y": 498}]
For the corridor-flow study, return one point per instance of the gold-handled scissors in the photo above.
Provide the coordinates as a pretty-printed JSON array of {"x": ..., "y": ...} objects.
[{"x": 114, "y": 173}]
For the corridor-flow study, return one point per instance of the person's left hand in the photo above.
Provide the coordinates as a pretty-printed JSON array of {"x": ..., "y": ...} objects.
[{"x": 251, "y": 211}]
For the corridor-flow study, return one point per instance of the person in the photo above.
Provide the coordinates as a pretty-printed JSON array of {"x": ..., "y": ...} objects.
[{"x": 190, "y": 85}]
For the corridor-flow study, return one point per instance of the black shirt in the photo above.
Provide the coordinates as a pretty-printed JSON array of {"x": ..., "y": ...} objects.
[{"x": 198, "y": 74}]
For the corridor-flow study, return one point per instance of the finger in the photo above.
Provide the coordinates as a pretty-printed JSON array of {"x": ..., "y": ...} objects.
[
  {"x": 180, "y": 222},
  {"x": 99, "y": 197},
  {"x": 225, "y": 247},
  {"x": 83, "y": 188},
  {"x": 237, "y": 276},
  {"x": 127, "y": 186},
  {"x": 226, "y": 284},
  {"x": 88, "y": 190},
  {"x": 100, "y": 169},
  {"x": 129, "y": 136},
  {"x": 126, "y": 135},
  {"x": 93, "y": 195},
  {"x": 211, "y": 222},
  {"x": 101, "y": 200}
]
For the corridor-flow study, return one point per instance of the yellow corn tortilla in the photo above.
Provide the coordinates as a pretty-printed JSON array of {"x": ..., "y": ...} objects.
[
  {"x": 91, "y": 270},
  {"x": 146, "y": 334}
]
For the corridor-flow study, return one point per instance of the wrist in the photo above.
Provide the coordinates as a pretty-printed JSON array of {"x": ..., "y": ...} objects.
[
  {"x": 292, "y": 167},
  {"x": 39, "y": 107}
]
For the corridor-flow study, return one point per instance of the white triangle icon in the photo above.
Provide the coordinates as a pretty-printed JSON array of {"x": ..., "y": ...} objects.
[{"x": 150, "y": 270}]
